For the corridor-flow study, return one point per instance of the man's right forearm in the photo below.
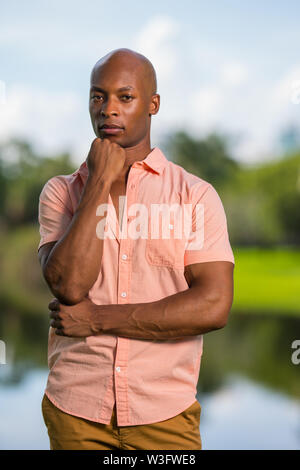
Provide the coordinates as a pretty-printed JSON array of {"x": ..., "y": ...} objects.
[{"x": 74, "y": 262}]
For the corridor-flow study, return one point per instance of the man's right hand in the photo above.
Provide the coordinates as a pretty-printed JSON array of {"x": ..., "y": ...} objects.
[{"x": 105, "y": 159}]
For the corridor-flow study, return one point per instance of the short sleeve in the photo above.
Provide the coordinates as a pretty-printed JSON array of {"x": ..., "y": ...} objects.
[
  {"x": 55, "y": 212},
  {"x": 208, "y": 238}
]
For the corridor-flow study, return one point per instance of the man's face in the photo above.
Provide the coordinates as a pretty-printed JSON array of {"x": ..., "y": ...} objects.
[{"x": 119, "y": 95}]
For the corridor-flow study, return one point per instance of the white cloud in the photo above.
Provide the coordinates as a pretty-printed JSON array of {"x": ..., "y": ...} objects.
[
  {"x": 285, "y": 90},
  {"x": 206, "y": 105},
  {"x": 51, "y": 120},
  {"x": 255, "y": 112},
  {"x": 44, "y": 42},
  {"x": 155, "y": 41},
  {"x": 158, "y": 40},
  {"x": 234, "y": 73},
  {"x": 275, "y": 110}
]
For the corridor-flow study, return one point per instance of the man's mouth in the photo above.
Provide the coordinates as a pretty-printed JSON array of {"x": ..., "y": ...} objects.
[
  {"x": 111, "y": 125},
  {"x": 111, "y": 130}
]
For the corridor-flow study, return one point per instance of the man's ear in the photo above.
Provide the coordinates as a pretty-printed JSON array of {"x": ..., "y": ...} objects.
[{"x": 154, "y": 105}]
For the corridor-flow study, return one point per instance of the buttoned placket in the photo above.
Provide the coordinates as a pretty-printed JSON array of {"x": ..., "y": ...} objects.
[{"x": 124, "y": 295}]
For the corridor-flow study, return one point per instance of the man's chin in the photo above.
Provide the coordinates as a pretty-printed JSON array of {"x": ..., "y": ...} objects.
[
  {"x": 113, "y": 138},
  {"x": 104, "y": 135}
]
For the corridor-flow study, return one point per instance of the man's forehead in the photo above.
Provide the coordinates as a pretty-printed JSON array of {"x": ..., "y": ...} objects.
[
  {"x": 117, "y": 71},
  {"x": 117, "y": 80},
  {"x": 97, "y": 87},
  {"x": 119, "y": 59}
]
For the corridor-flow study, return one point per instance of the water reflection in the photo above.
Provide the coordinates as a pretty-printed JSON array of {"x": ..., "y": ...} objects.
[
  {"x": 245, "y": 415},
  {"x": 248, "y": 387},
  {"x": 255, "y": 346}
]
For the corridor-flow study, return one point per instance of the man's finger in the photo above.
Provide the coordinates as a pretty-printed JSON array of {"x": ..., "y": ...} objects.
[
  {"x": 59, "y": 332},
  {"x": 54, "y": 314},
  {"x": 56, "y": 324},
  {"x": 53, "y": 305}
]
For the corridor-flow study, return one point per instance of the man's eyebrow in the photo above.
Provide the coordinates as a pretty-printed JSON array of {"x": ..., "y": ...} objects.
[{"x": 124, "y": 88}]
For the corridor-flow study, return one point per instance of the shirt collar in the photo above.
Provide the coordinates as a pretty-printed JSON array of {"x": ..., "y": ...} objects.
[{"x": 155, "y": 160}]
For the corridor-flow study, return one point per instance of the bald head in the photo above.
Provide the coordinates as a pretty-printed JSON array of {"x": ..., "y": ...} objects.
[
  {"x": 135, "y": 61},
  {"x": 123, "y": 92}
]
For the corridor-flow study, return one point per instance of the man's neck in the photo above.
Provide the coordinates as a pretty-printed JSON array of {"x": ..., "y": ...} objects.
[{"x": 133, "y": 154}]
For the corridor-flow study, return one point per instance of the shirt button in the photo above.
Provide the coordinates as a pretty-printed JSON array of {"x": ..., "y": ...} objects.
[
  {"x": 118, "y": 369},
  {"x": 124, "y": 256},
  {"x": 123, "y": 294},
  {"x": 132, "y": 186}
]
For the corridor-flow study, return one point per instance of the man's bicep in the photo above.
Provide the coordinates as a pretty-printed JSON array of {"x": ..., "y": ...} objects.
[
  {"x": 212, "y": 273},
  {"x": 214, "y": 280}
]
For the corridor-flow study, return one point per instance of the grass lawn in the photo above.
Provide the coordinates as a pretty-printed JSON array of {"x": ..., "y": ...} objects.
[{"x": 267, "y": 280}]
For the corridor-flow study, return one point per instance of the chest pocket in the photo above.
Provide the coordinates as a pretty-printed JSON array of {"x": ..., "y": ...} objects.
[{"x": 168, "y": 251}]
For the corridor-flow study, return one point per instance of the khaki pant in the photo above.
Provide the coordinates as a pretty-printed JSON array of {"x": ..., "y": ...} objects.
[{"x": 68, "y": 432}]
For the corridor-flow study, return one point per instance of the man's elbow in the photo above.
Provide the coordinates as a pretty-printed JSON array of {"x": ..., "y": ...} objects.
[
  {"x": 222, "y": 314},
  {"x": 62, "y": 291},
  {"x": 219, "y": 305},
  {"x": 67, "y": 298}
]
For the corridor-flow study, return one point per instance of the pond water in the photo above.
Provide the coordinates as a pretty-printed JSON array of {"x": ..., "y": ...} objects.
[{"x": 248, "y": 388}]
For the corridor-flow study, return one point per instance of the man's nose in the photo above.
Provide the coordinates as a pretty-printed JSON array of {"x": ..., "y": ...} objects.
[{"x": 109, "y": 107}]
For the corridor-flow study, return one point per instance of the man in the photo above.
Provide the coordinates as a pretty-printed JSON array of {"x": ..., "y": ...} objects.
[{"x": 125, "y": 341}]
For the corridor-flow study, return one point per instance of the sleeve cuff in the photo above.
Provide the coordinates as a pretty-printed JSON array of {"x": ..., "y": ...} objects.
[
  {"x": 192, "y": 258},
  {"x": 51, "y": 238}
]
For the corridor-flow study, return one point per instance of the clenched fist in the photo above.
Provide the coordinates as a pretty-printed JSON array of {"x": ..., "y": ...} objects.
[
  {"x": 105, "y": 159},
  {"x": 74, "y": 320}
]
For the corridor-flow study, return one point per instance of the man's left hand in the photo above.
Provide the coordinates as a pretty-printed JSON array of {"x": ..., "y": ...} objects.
[{"x": 73, "y": 320}]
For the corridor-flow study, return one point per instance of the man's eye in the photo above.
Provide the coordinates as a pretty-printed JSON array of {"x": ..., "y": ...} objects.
[
  {"x": 96, "y": 97},
  {"x": 127, "y": 96}
]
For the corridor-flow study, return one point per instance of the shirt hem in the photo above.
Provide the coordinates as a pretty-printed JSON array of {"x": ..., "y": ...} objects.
[
  {"x": 72, "y": 413},
  {"x": 123, "y": 424}
]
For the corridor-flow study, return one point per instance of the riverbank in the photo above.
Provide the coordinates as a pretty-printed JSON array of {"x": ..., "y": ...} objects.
[{"x": 267, "y": 281}]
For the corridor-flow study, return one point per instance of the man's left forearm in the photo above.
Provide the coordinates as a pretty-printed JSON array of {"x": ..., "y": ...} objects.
[{"x": 186, "y": 313}]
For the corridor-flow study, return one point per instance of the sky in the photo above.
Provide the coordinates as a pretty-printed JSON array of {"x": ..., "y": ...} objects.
[{"x": 223, "y": 65}]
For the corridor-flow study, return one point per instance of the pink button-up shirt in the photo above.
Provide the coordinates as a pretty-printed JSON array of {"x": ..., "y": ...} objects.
[{"x": 149, "y": 380}]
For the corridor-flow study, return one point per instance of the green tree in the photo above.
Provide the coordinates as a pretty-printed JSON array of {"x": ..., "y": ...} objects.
[
  {"x": 207, "y": 158},
  {"x": 23, "y": 174}
]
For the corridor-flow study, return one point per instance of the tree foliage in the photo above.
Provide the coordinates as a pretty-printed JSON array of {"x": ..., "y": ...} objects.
[
  {"x": 207, "y": 158},
  {"x": 23, "y": 174}
]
